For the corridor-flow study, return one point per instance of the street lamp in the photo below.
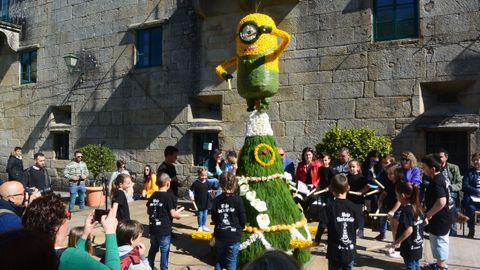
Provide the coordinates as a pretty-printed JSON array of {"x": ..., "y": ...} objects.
[{"x": 71, "y": 61}]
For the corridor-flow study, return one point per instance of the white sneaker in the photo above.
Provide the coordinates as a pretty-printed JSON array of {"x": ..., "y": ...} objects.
[
  {"x": 200, "y": 229},
  {"x": 205, "y": 229},
  {"x": 393, "y": 254}
]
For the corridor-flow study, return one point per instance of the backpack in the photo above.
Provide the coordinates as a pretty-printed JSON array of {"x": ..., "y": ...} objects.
[{"x": 131, "y": 257}]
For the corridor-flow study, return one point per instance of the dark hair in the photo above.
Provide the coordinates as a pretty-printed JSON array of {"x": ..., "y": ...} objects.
[
  {"x": 305, "y": 150},
  {"x": 366, "y": 163},
  {"x": 339, "y": 184},
  {"x": 228, "y": 181},
  {"x": 442, "y": 150},
  {"x": 432, "y": 161},
  {"x": 45, "y": 215},
  {"x": 170, "y": 150},
  {"x": 390, "y": 158},
  {"x": 23, "y": 248},
  {"x": 323, "y": 155},
  {"x": 475, "y": 155},
  {"x": 231, "y": 153},
  {"x": 128, "y": 230},
  {"x": 216, "y": 152},
  {"x": 412, "y": 193},
  {"x": 273, "y": 259},
  {"x": 212, "y": 163},
  {"x": 162, "y": 179},
  {"x": 117, "y": 182},
  {"x": 17, "y": 148},
  {"x": 147, "y": 177},
  {"x": 75, "y": 234},
  {"x": 77, "y": 152},
  {"x": 399, "y": 174},
  {"x": 120, "y": 162},
  {"x": 38, "y": 154}
]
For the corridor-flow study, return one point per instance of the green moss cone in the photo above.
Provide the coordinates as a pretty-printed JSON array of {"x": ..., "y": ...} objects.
[{"x": 281, "y": 207}]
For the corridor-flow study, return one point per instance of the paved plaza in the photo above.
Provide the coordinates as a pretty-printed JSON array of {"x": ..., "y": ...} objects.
[{"x": 186, "y": 253}]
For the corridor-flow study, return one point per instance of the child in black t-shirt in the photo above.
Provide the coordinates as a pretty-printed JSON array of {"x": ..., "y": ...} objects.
[
  {"x": 161, "y": 211},
  {"x": 199, "y": 194},
  {"x": 119, "y": 195},
  {"x": 341, "y": 218},
  {"x": 358, "y": 186},
  {"x": 388, "y": 202},
  {"x": 410, "y": 227},
  {"x": 228, "y": 215}
]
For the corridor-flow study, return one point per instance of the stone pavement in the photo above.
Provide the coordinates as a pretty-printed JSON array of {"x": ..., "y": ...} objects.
[{"x": 186, "y": 253}]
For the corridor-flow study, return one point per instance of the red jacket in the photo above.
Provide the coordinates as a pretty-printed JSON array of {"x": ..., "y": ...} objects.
[{"x": 301, "y": 173}]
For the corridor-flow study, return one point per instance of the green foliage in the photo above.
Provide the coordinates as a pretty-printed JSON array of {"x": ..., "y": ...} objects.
[
  {"x": 281, "y": 206},
  {"x": 95, "y": 156},
  {"x": 358, "y": 141}
]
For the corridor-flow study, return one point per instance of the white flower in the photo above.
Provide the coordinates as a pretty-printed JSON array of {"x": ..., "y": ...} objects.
[
  {"x": 263, "y": 221},
  {"x": 287, "y": 176},
  {"x": 251, "y": 195},
  {"x": 242, "y": 180},
  {"x": 243, "y": 189},
  {"x": 259, "y": 205}
]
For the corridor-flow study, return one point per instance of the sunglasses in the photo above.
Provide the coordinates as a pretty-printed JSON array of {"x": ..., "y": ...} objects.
[
  {"x": 282, "y": 154},
  {"x": 78, "y": 156},
  {"x": 68, "y": 215},
  {"x": 405, "y": 159}
]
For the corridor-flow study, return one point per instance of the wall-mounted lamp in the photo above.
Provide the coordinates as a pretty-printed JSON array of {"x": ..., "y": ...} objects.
[{"x": 71, "y": 61}]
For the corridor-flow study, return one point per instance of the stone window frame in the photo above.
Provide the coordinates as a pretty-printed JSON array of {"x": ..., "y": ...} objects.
[
  {"x": 28, "y": 64},
  {"x": 396, "y": 24}
]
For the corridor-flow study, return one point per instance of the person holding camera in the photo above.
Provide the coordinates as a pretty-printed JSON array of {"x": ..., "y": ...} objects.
[
  {"x": 12, "y": 203},
  {"x": 48, "y": 215},
  {"x": 76, "y": 173},
  {"x": 37, "y": 176}
]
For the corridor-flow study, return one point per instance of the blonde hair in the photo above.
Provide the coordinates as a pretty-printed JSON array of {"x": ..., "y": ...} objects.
[
  {"x": 163, "y": 179},
  {"x": 410, "y": 156}
]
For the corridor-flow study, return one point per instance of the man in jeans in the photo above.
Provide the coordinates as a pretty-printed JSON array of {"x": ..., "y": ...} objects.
[{"x": 76, "y": 173}]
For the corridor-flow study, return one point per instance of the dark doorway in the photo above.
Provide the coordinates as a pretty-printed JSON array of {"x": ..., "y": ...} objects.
[
  {"x": 61, "y": 145},
  {"x": 455, "y": 142},
  {"x": 200, "y": 149}
]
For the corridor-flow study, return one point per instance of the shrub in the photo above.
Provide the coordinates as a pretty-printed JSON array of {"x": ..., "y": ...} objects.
[
  {"x": 358, "y": 141},
  {"x": 96, "y": 156}
]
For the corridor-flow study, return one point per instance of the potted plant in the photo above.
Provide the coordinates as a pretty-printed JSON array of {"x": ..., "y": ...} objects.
[{"x": 99, "y": 159}]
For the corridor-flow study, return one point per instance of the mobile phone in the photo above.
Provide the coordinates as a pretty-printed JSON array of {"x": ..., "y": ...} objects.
[{"x": 99, "y": 213}]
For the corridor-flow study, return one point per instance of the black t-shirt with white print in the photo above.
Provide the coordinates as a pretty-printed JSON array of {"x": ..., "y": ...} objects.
[
  {"x": 341, "y": 219},
  {"x": 228, "y": 215},
  {"x": 440, "y": 223},
  {"x": 158, "y": 209},
  {"x": 412, "y": 247}
]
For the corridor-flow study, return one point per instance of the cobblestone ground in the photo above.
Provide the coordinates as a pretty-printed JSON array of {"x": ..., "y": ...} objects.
[{"x": 186, "y": 253}]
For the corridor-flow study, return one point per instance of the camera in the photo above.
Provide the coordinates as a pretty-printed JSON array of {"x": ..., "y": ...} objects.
[
  {"x": 99, "y": 213},
  {"x": 43, "y": 191}
]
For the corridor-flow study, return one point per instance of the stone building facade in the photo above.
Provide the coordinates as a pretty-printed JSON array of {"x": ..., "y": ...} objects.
[{"x": 421, "y": 91}]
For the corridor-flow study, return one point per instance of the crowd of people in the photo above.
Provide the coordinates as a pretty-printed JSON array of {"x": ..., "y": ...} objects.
[{"x": 411, "y": 199}]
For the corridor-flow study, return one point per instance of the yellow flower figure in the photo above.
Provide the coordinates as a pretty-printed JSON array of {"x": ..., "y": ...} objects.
[{"x": 256, "y": 60}]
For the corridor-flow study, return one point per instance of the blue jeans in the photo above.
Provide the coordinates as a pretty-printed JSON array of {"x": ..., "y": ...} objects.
[
  {"x": 334, "y": 265},
  {"x": 226, "y": 255},
  {"x": 202, "y": 217},
  {"x": 162, "y": 242},
  {"x": 361, "y": 221},
  {"x": 74, "y": 189},
  {"x": 412, "y": 265}
]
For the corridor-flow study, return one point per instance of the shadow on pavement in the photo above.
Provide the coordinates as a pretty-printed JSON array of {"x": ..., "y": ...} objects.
[{"x": 198, "y": 249}]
